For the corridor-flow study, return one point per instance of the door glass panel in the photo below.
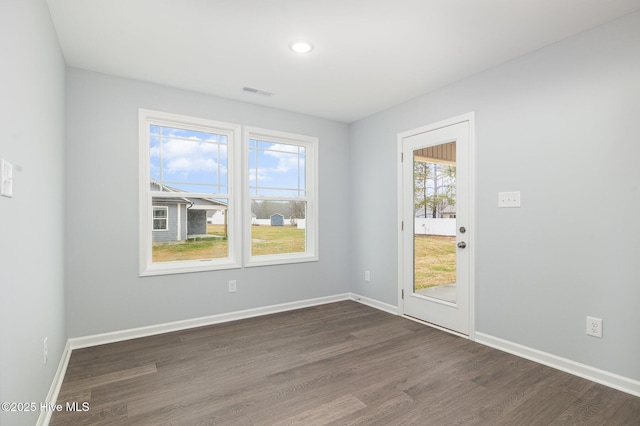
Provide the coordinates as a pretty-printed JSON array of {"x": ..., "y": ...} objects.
[{"x": 434, "y": 242}]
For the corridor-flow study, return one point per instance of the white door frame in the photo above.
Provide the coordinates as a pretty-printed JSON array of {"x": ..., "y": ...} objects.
[{"x": 470, "y": 118}]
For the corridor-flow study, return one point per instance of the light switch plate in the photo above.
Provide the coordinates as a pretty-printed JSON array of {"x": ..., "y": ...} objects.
[
  {"x": 6, "y": 179},
  {"x": 509, "y": 199}
]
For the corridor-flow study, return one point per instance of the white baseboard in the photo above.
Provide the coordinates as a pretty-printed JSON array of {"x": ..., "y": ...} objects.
[
  {"x": 374, "y": 303},
  {"x": 54, "y": 390},
  {"x": 134, "y": 333},
  {"x": 603, "y": 377}
]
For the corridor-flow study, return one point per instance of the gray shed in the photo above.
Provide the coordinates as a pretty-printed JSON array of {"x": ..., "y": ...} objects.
[{"x": 277, "y": 220}]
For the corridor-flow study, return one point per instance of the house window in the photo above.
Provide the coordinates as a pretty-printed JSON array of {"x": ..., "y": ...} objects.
[
  {"x": 189, "y": 188},
  {"x": 160, "y": 215},
  {"x": 281, "y": 201}
]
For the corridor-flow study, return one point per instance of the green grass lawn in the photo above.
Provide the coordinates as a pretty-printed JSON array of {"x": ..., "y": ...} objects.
[
  {"x": 434, "y": 260},
  {"x": 264, "y": 240},
  {"x": 277, "y": 240},
  {"x": 435, "y": 256}
]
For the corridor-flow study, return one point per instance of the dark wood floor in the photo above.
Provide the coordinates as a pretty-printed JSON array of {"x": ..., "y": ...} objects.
[{"x": 342, "y": 363}]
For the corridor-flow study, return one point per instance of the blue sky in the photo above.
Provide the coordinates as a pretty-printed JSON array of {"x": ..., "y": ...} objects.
[
  {"x": 276, "y": 169},
  {"x": 197, "y": 162}
]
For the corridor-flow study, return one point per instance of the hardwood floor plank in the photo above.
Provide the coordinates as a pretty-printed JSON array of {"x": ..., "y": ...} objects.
[
  {"x": 554, "y": 395},
  {"x": 388, "y": 404},
  {"x": 595, "y": 407},
  {"x": 324, "y": 414},
  {"x": 627, "y": 414},
  {"x": 116, "y": 376},
  {"x": 340, "y": 363}
]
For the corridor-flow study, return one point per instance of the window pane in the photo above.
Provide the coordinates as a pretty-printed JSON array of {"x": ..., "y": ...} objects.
[
  {"x": 195, "y": 228},
  {"x": 159, "y": 212},
  {"x": 278, "y": 227},
  {"x": 276, "y": 166},
  {"x": 154, "y": 157},
  {"x": 159, "y": 218},
  {"x": 188, "y": 160}
]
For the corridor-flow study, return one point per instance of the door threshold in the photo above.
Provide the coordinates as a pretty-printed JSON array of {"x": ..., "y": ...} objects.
[{"x": 439, "y": 327}]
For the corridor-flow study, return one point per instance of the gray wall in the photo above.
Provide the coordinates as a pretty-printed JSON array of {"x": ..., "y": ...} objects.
[
  {"x": 561, "y": 126},
  {"x": 104, "y": 292},
  {"x": 32, "y": 222},
  {"x": 171, "y": 234}
]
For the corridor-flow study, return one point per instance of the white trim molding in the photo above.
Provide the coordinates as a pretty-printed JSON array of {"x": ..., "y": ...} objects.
[
  {"x": 56, "y": 385},
  {"x": 471, "y": 232},
  {"x": 135, "y": 333},
  {"x": 391, "y": 309},
  {"x": 603, "y": 377}
]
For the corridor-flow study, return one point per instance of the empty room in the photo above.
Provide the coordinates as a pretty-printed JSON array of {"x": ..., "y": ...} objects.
[{"x": 410, "y": 212}]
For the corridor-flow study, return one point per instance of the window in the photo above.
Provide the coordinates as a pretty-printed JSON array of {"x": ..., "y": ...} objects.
[
  {"x": 160, "y": 215},
  {"x": 191, "y": 209},
  {"x": 189, "y": 189},
  {"x": 281, "y": 201}
]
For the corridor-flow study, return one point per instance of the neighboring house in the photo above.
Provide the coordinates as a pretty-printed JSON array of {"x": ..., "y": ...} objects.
[
  {"x": 176, "y": 219},
  {"x": 448, "y": 213}
]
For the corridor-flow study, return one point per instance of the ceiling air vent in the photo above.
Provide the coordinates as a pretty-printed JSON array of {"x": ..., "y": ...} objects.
[{"x": 256, "y": 91}]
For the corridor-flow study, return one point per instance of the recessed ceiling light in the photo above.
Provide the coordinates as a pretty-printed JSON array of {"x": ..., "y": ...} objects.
[{"x": 301, "y": 46}]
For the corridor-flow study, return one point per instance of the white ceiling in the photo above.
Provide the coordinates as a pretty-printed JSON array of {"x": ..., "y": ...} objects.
[{"x": 369, "y": 54}]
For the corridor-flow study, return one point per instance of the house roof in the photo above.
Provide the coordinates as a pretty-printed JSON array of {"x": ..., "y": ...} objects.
[{"x": 197, "y": 203}]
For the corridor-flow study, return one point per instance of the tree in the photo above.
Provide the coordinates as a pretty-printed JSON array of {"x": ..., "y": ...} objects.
[
  {"x": 262, "y": 209},
  {"x": 434, "y": 187},
  {"x": 421, "y": 178},
  {"x": 297, "y": 209}
]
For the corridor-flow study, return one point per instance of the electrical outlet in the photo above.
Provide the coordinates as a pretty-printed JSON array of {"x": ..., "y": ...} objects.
[
  {"x": 45, "y": 346},
  {"x": 594, "y": 327},
  {"x": 232, "y": 286},
  {"x": 367, "y": 275}
]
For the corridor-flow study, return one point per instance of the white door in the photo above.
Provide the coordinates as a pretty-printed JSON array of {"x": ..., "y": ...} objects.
[{"x": 437, "y": 224}]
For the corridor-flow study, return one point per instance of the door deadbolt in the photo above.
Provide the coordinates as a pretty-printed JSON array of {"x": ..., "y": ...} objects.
[{"x": 463, "y": 229}]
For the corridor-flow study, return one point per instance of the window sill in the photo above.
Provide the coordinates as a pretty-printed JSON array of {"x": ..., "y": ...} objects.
[
  {"x": 280, "y": 259},
  {"x": 185, "y": 267}
]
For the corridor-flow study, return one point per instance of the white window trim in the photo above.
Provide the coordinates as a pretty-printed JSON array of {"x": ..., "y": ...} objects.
[
  {"x": 311, "y": 180},
  {"x": 233, "y": 132},
  {"x": 166, "y": 218}
]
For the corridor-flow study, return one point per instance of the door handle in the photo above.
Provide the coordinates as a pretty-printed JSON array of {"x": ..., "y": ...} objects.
[{"x": 462, "y": 244}]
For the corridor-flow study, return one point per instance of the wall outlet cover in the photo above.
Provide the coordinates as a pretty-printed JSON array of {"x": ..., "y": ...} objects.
[{"x": 594, "y": 327}]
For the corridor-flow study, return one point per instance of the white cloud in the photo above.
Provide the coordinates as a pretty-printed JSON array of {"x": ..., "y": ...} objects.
[
  {"x": 263, "y": 174},
  {"x": 288, "y": 157},
  {"x": 181, "y": 158}
]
